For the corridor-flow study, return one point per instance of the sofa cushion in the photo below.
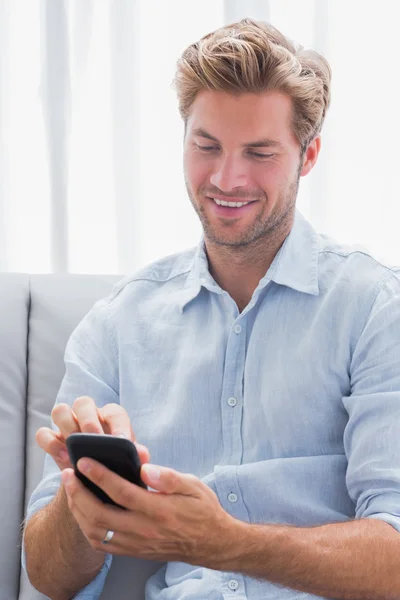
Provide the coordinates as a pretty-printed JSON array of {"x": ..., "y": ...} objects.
[
  {"x": 57, "y": 304},
  {"x": 14, "y": 306}
]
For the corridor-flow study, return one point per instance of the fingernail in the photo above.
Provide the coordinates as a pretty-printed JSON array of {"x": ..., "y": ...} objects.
[
  {"x": 153, "y": 472},
  {"x": 84, "y": 465}
]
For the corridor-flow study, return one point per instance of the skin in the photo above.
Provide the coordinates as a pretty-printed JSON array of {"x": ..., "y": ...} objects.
[
  {"x": 60, "y": 559},
  {"x": 231, "y": 167},
  {"x": 184, "y": 521}
]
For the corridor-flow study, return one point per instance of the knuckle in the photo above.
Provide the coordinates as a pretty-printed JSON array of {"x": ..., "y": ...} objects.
[
  {"x": 117, "y": 420},
  {"x": 97, "y": 521},
  {"x": 54, "y": 446},
  {"x": 147, "y": 533},
  {"x": 111, "y": 408},
  {"x": 98, "y": 476},
  {"x": 88, "y": 426},
  {"x": 160, "y": 516},
  {"x": 125, "y": 494},
  {"x": 192, "y": 478},
  {"x": 60, "y": 410},
  {"x": 82, "y": 401},
  {"x": 173, "y": 477}
]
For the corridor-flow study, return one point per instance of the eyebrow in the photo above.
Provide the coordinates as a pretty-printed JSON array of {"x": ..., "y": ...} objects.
[{"x": 264, "y": 143}]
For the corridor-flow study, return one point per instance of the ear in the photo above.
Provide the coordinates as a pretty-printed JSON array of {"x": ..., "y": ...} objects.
[{"x": 310, "y": 156}]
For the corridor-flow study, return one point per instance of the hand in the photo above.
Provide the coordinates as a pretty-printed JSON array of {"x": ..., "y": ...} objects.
[
  {"x": 85, "y": 417},
  {"x": 183, "y": 522}
]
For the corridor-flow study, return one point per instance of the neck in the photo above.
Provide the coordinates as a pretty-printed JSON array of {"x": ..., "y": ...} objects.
[{"x": 239, "y": 269}]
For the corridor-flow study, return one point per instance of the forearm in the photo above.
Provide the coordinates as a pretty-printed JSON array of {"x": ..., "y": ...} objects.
[
  {"x": 353, "y": 560},
  {"x": 59, "y": 559}
]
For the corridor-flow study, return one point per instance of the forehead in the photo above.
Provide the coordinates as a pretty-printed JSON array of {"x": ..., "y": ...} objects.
[{"x": 243, "y": 117}]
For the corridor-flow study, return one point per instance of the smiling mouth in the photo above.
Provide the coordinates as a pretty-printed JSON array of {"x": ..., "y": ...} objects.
[{"x": 231, "y": 204}]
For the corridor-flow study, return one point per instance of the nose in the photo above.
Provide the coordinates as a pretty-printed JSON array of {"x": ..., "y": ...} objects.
[{"x": 229, "y": 173}]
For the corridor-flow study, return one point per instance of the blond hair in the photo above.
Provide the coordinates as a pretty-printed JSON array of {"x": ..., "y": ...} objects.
[{"x": 252, "y": 57}]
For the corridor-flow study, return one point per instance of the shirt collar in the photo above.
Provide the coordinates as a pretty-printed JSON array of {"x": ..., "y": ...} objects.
[{"x": 295, "y": 265}]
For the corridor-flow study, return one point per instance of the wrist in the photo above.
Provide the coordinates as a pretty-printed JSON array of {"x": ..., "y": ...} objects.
[
  {"x": 230, "y": 541},
  {"x": 72, "y": 535}
]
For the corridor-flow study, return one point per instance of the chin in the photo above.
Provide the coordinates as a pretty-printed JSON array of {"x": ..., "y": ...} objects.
[{"x": 227, "y": 240}]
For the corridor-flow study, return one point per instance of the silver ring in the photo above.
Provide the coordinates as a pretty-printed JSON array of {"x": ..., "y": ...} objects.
[{"x": 108, "y": 537}]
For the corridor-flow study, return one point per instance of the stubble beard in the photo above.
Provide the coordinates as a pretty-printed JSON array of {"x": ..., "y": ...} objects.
[{"x": 262, "y": 230}]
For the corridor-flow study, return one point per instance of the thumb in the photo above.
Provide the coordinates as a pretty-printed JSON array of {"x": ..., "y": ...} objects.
[{"x": 169, "y": 481}]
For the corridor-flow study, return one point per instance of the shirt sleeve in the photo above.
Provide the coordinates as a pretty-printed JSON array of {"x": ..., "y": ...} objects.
[
  {"x": 91, "y": 363},
  {"x": 372, "y": 434}
]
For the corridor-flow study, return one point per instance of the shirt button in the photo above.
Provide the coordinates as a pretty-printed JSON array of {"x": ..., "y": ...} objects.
[
  {"x": 232, "y": 401},
  {"x": 237, "y": 329},
  {"x": 233, "y": 584},
  {"x": 232, "y": 497}
]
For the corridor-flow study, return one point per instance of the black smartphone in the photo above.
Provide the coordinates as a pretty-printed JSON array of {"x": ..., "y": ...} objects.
[{"x": 116, "y": 453}]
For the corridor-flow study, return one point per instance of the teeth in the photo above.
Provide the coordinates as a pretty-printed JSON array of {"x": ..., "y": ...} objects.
[{"x": 230, "y": 204}]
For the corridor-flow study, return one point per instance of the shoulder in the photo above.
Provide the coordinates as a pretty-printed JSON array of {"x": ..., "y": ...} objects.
[
  {"x": 159, "y": 277},
  {"x": 354, "y": 267},
  {"x": 361, "y": 288}
]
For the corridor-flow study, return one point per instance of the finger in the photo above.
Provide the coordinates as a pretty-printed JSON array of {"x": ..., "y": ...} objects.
[
  {"x": 120, "y": 490},
  {"x": 121, "y": 543},
  {"x": 169, "y": 481},
  {"x": 117, "y": 421},
  {"x": 95, "y": 534},
  {"x": 79, "y": 494},
  {"x": 93, "y": 511},
  {"x": 65, "y": 420},
  {"x": 88, "y": 510},
  {"x": 50, "y": 442},
  {"x": 86, "y": 413}
]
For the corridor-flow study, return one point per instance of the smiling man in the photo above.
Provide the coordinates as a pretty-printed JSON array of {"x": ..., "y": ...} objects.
[
  {"x": 260, "y": 369},
  {"x": 243, "y": 163}
]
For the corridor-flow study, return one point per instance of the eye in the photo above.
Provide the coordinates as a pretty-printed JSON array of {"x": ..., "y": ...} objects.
[
  {"x": 206, "y": 148},
  {"x": 261, "y": 155}
]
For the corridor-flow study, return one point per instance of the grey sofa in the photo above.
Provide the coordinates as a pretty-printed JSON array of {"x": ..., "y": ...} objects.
[{"x": 37, "y": 315}]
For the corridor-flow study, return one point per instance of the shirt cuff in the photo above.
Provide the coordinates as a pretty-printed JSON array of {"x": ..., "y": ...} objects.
[{"x": 93, "y": 590}]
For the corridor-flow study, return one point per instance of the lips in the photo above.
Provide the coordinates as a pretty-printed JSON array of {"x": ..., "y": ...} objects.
[
  {"x": 236, "y": 200},
  {"x": 231, "y": 212}
]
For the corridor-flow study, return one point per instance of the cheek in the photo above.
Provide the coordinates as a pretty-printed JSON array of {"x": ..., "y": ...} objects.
[
  {"x": 197, "y": 173},
  {"x": 271, "y": 178},
  {"x": 264, "y": 177}
]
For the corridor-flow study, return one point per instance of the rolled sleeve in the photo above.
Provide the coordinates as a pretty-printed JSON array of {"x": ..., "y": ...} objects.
[
  {"x": 372, "y": 434},
  {"x": 91, "y": 363},
  {"x": 93, "y": 590}
]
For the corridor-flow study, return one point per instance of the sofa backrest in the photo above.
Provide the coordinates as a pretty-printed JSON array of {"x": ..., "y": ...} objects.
[
  {"x": 37, "y": 315},
  {"x": 14, "y": 306}
]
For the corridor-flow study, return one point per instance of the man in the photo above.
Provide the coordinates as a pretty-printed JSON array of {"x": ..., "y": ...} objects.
[{"x": 259, "y": 370}]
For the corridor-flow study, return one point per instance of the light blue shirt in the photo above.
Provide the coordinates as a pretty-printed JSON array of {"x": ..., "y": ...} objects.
[{"x": 289, "y": 411}]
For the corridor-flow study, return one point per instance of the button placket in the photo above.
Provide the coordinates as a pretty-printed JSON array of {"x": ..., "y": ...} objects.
[{"x": 231, "y": 400}]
